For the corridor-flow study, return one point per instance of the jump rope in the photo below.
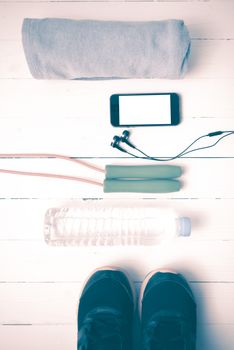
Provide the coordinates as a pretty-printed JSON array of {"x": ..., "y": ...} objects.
[{"x": 158, "y": 178}]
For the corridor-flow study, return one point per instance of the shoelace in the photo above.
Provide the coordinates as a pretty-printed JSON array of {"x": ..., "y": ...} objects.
[
  {"x": 100, "y": 331},
  {"x": 167, "y": 333}
]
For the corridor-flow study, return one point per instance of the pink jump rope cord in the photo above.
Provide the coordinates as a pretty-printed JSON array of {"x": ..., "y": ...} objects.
[{"x": 49, "y": 155}]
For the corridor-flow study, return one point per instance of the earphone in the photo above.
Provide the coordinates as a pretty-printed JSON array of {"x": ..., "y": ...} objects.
[{"x": 124, "y": 138}]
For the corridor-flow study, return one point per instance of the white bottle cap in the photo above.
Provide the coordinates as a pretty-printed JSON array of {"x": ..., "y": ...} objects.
[{"x": 184, "y": 226}]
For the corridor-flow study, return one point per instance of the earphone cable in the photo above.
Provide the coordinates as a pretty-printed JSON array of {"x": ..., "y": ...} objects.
[
  {"x": 212, "y": 145},
  {"x": 185, "y": 151},
  {"x": 179, "y": 155}
]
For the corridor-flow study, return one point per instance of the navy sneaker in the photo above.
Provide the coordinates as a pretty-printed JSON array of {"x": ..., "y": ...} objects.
[
  {"x": 167, "y": 313},
  {"x": 105, "y": 314}
]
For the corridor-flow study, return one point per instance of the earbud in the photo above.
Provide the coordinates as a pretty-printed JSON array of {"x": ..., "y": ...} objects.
[
  {"x": 125, "y": 134},
  {"x": 115, "y": 143},
  {"x": 124, "y": 138}
]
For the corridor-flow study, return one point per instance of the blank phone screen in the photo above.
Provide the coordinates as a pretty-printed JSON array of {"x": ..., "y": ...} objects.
[{"x": 144, "y": 109}]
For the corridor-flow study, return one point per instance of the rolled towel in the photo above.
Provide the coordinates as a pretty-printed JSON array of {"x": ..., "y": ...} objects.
[{"x": 90, "y": 49}]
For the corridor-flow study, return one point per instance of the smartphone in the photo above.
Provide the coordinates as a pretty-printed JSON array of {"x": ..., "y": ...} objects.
[{"x": 151, "y": 109}]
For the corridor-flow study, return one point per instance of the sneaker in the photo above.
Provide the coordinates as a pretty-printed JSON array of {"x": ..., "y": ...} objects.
[
  {"x": 105, "y": 314},
  {"x": 167, "y": 313}
]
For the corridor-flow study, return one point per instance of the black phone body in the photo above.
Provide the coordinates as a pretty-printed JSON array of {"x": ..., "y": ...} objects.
[{"x": 153, "y": 109}]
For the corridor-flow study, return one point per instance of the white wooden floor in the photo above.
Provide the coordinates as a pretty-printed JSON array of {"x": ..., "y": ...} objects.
[{"x": 40, "y": 285}]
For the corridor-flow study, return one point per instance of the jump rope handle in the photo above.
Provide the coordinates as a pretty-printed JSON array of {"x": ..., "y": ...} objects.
[
  {"x": 141, "y": 186},
  {"x": 143, "y": 171}
]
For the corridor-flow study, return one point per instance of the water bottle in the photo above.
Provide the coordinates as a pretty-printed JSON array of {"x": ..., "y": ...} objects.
[{"x": 104, "y": 223}]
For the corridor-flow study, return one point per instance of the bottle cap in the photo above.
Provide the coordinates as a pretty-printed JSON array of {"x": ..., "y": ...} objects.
[{"x": 184, "y": 226}]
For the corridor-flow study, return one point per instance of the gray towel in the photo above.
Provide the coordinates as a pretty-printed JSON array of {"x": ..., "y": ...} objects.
[{"x": 88, "y": 49}]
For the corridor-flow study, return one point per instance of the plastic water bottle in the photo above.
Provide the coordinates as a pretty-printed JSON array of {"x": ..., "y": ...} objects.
[{"x": 98, "y": 223}]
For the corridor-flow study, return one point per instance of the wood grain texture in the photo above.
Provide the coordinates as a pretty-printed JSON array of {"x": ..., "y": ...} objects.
[
  {"x": 40, "y": 285},
  {"x": 197, "y": 260},
  {"x": 57, "y": 303},
  {"x": 213, "y": 337},
  {"x": 205, "y": 20},
  {"x": 24, "y": 227},
  {"x": 201, "y": 178}
]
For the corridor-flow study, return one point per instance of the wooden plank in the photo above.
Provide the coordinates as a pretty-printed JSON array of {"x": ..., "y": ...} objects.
[
  {"x": 78, "y": 1},
  {"x": 48, "y": 102},
  {"x": 205, "y": 19},
  {"x": 77, "y": 139},
  {"x": 204, "y": 261},
  {"x": 57, "y": 303},
  {"x": 209, "y": 59},
  {"x": 201, "y": 178},
  {"x": 218, "y": 225},
  {"x": 34, "y": 115},
  {"x": 54, "y": 111},
  {"x": 39, "y": 337}
]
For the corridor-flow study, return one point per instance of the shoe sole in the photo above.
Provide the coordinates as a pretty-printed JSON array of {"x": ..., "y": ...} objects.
[{"x": 144, "y": 284}]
